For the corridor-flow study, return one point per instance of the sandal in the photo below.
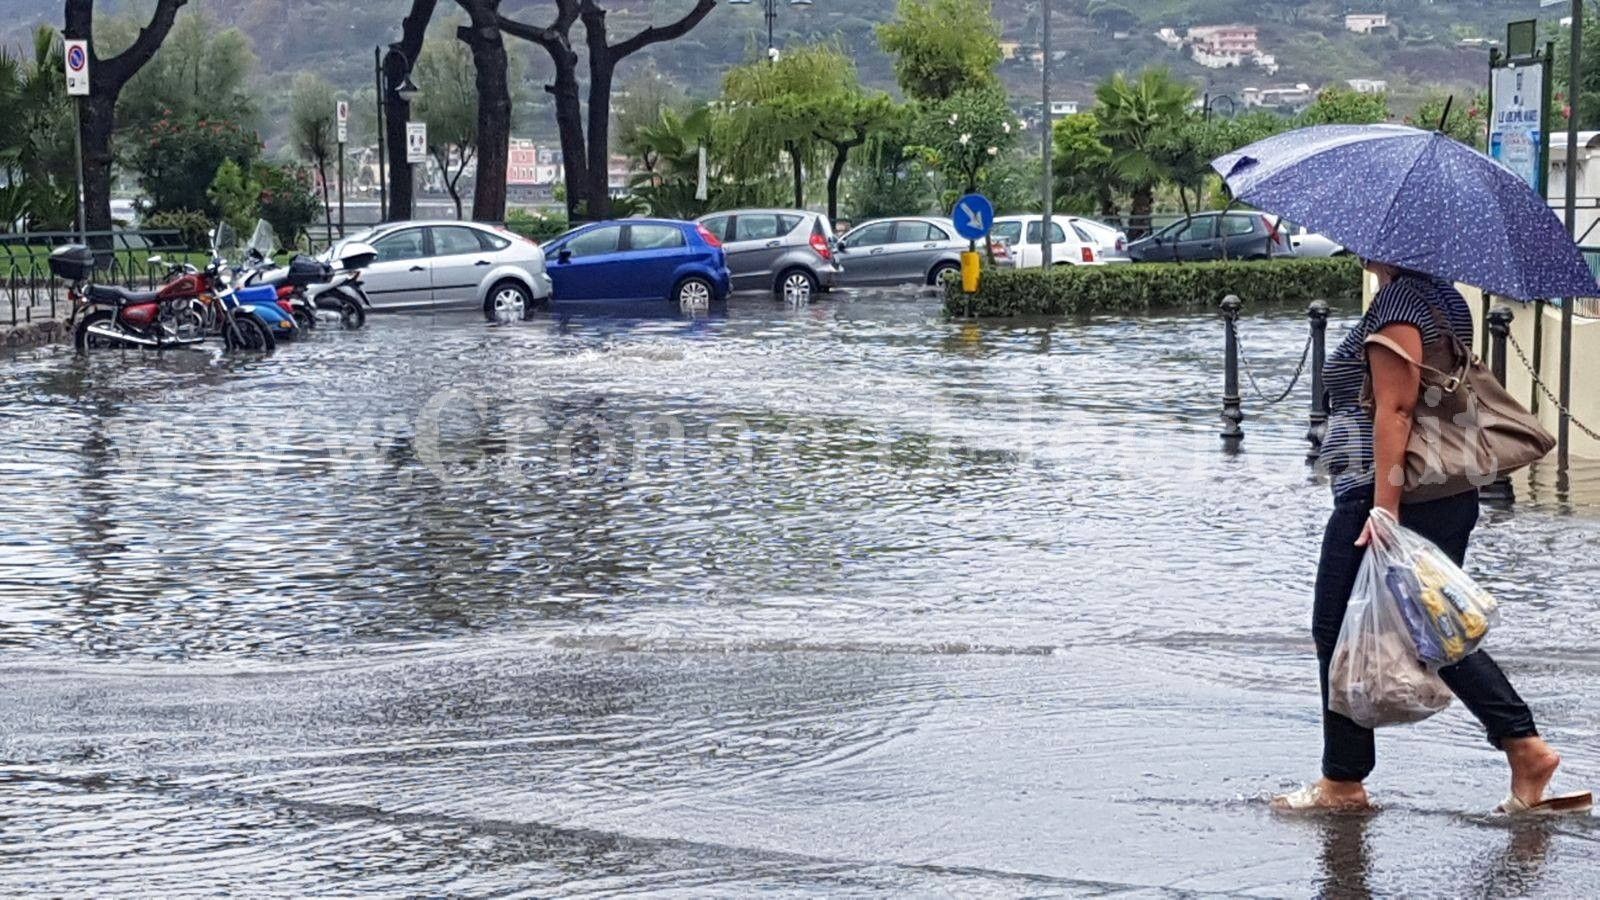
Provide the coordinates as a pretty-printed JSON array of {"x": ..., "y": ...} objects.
[
  {"x": 1308, "y": 799},
  {"x": 1580, "y": 803}
]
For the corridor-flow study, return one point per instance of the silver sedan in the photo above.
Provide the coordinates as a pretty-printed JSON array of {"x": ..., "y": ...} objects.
[
  {"x": 444, "y": 264},
  {"x": 907, "y": 250}
]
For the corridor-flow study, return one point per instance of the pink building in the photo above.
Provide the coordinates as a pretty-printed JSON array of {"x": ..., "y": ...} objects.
[{"x": 1226, "y": 40}]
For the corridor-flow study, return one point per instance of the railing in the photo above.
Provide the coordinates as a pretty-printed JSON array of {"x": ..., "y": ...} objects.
[
  {"x": 28, "y": 290},
  {"x": 1589, "y": 307}
]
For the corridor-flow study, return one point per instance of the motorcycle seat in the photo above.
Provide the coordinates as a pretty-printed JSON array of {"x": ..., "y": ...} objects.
[{"x": 110, "y": 293}]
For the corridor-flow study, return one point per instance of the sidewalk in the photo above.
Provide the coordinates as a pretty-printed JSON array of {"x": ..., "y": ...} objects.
[{"x": 36, "y": 323}]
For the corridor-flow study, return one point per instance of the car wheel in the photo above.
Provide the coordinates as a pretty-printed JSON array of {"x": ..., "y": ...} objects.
[
  {"x": 944, "y": 273},
  {"x": 693, "y": 294},
  {"x": 796, "y": 286},
  {"x": 507, "y": 301}
]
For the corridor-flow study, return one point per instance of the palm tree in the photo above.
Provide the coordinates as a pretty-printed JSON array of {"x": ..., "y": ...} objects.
[{"x": 1137, "y": 117}]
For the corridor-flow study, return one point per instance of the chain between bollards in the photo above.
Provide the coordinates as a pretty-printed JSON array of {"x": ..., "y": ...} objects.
[
  {"x": 1499, "y": 323},
  {"x": 1232, "y": 403}
]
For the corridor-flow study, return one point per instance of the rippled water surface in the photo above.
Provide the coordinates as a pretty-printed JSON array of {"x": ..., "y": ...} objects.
[{"x": 844, "y": 599}]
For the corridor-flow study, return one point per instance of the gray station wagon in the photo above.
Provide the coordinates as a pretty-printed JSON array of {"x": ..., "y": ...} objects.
[{"x": 786, "y": 251}]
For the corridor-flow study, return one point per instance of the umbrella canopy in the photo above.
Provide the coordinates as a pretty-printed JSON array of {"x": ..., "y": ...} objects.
[{"x": 1415, "y": 199}]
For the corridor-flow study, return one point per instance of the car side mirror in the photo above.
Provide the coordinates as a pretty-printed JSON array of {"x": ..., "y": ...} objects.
[
  {"x": 842, "y": 247},
  {"x": 563, "y": 255}
]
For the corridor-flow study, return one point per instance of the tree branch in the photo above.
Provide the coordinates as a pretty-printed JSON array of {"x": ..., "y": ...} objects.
[
  {"x": 555, "y": 38},
  {"x": 658, "y": 34}
]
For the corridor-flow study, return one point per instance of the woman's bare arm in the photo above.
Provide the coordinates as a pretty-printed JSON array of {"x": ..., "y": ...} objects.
[{"x": 1394, "y": 394}]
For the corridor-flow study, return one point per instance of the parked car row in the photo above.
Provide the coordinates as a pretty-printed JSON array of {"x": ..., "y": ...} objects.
[{"x": 792, "y": 253}]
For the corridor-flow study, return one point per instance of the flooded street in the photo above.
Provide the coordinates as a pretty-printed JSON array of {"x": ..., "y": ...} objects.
[{"x": 843, "y": 599}]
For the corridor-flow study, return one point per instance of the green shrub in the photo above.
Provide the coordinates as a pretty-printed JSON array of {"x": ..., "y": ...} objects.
[
  {"x": 177, "y": 159},
  {"x": 535, "y": 226},
  {"x": 193, "y": 226},
  {"x": 288, "y": 199},
  {"x": 1066, "y": 290}
]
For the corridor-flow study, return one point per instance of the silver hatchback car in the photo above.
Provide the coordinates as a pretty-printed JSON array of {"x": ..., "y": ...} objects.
[
  {"x": 786, "y": 251},
  {"x": 432, "y": 265},
  {"x": 908, "y": 250}
]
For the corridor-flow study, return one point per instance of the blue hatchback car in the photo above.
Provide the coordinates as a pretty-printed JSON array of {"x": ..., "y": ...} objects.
[{"x": 638, "y": 259}]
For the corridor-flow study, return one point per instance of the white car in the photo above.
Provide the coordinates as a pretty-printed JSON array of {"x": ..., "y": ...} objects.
[
  {"x": 1305, "y": 242},
  {"x": 1070, "y": 244},
  {"x": 1113, "y": 242},
  {"x": 449, "y": 264}
]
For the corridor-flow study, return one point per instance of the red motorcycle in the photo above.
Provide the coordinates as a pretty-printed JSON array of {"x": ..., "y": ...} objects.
[{"x": 180, "y": 313}]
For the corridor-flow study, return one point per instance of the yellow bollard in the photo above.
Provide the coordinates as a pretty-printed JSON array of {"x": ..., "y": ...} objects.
[{"x": 971, "y": 266}]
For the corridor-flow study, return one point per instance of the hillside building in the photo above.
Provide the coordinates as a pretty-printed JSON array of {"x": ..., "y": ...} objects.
[
  {"x": 1368, "y": 85},
  {"x": 1367, "y": 23}
]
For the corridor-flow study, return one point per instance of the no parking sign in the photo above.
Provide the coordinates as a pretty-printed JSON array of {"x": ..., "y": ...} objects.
[{"x": 77, "y": 59}]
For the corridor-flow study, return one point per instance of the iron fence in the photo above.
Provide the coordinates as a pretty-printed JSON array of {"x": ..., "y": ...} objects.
[{"x": 31, "y": 292}]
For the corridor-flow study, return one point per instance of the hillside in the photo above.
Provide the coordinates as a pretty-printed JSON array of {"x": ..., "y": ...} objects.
[{"x": 1308, "y": 39}]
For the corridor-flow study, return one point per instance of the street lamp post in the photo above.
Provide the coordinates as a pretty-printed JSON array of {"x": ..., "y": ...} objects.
[
  {"x": 1574, "y": 80},
  {"x": 1047, "y": 147},
  {"x": 769, "y": 11},
  {"x": 392, "y": 74},
  {"x": 1210, "y": 102}
]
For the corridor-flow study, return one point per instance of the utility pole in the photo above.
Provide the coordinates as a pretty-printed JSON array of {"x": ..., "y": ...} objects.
[
  {"x": 383, "y": 178},
  {"x": 1574, "y": 84},
  {"x": 1047, "y": 146}
]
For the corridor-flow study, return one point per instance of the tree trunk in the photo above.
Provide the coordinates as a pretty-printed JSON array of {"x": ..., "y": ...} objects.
[
  {"x": 99, "y": 121},
  {"x": 841, "y": 155},
  {"x": 799, "y": 173},
  {"x": 397, "y": 111},
  {"x": 494, "y": 115},
  {"x": 602, "y": 69},
  {"x": 106, "y": 79},
  {"x": 1143, "y": 203}
]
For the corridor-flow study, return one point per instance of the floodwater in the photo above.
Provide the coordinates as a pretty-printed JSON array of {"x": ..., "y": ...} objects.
[{"x": 839, "y": 600}]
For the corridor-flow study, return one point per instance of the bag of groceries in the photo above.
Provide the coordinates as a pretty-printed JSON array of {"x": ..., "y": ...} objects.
[{"x": 1412, "y": 611}]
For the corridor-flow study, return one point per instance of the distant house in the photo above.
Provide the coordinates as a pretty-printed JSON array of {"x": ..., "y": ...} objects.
[
  {"x": 1366, "y": 23},
  {"x": 1223, "y": 46},
  {"x": 1171, "y": 38},
  {"x": 1060, "y": 108},
  {"x": 1010, "y": 50},
  {"x": 531, "y": 170},
  {"x": 1368, "y": 85}
]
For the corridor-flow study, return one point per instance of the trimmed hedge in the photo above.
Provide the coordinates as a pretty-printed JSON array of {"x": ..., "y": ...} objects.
[{"x": 1132, "y": 287}]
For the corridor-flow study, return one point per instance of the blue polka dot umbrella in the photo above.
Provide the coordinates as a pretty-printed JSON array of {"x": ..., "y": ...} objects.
[{"x": 1415, "y": 199}]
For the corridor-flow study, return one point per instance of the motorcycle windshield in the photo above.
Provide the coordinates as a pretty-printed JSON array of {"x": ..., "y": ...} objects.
[
  {"x": 224, "y": 241},
  {"x": 264, "y": 240}
]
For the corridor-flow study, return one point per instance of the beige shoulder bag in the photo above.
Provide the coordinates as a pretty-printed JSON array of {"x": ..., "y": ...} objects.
[{"x": 1466, "y": 429}]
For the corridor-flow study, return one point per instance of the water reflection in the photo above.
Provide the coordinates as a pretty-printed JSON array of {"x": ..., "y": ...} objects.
[{"x": 1346, "y": 858}]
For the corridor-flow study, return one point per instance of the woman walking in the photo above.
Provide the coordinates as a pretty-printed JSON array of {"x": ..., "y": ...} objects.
[{"x": 1364, "y": 455}]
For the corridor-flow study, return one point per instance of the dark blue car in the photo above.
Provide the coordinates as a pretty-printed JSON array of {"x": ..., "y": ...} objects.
[{"x": 638, "y": 259}]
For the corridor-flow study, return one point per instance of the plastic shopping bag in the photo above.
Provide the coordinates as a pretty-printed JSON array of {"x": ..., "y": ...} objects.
[
  {"x": 1446, "y": 613},
  {"x": 1375, "y": 678}
]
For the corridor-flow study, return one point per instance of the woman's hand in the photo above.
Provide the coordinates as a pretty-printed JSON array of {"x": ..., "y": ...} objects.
[{"x": 1365, "y": 540}]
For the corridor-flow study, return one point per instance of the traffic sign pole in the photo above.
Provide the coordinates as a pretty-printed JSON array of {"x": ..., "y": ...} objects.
[{"x": 75, "y": 54}]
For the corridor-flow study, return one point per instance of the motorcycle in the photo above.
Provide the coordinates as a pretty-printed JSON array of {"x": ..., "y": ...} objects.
[
  {"x": 108, "y": 316},
  {"x": 315, "y": 290}
]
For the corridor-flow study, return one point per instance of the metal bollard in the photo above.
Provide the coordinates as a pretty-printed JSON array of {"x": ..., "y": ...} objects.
[
  {"x": 1318, "y": 314},
  {"x": 1232, "y": 403},
  {"x": 1499, "y": 330}
]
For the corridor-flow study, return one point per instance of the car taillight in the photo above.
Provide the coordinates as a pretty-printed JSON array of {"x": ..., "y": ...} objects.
[
  {"x": 820, "y": 244},
  {"x": 1088, "y": 254},
  {"x": 708, "y": 237}
]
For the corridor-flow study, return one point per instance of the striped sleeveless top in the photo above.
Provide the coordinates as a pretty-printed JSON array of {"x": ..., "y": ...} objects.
[{"x": 1410, "y": 299}]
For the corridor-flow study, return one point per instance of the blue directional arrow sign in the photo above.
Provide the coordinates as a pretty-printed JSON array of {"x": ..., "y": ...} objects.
[{"x": 974, "y": 216}]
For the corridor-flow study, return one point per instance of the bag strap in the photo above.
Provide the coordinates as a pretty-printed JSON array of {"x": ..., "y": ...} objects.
[{"x": 1389, "y": 344}]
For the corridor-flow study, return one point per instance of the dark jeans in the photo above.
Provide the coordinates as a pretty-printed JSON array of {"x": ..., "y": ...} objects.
[{"x": 1347, "y": 748}]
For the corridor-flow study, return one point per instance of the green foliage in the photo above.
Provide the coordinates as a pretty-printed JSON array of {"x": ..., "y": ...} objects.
[
  {"x": 941, "y": 47},
  {"x": 891, "y": 180},
  {"x": 1138, "y": 119},
  {"x": 1084, "y": 176},
  {"x": 1068, "y": 290},
  {"x": 1589, "y": 78},
  {"x": 36, "y": 151},
  {"x": 964, "y": 136},
  {"x": 448, "y": 101},
  {"x": 313, "y": 129},
  {"x": 177, "y": 159},
  {"x": 669, "y": 151},
  {"x": 535, "y": 226},
  {"x": 1343, "y": 106},
  {"x": 201, "y": 71},
  {"x": 235, "y": 195},
  {"x": 285, "y": 198},
  {"x": 1468, "y": 122},
  {"x": 192, "y": 225}
]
